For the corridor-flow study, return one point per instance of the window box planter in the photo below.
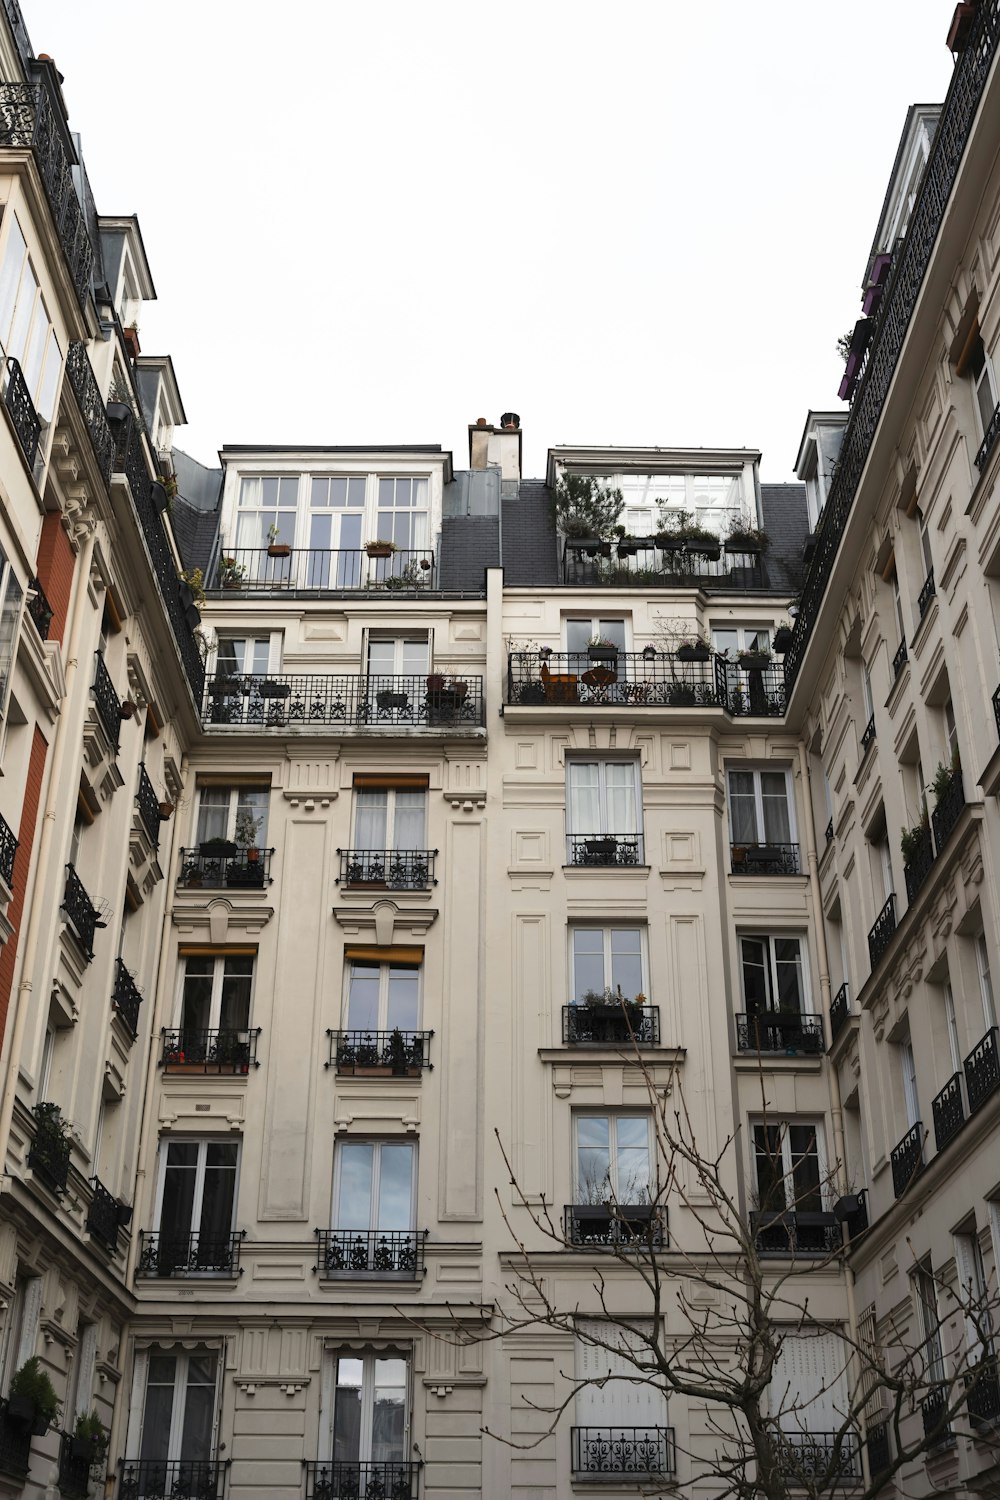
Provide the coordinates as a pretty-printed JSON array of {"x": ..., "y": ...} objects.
[
  {"x": 607, "y": 846},
  {"x": 275, "y": 689},
  {"x": 380, "y": 549},
  {"x": 693, "y": 653},
  {"x": 278, "y": 549},
  {"x": 960, "y": 28},
  {"x": 248, "y": 875},
  {"x": 681, "y": 696},
  {"x": 218, "y": 849},
  {"x": 698, "y": 548},
  {"x": 223, "y": 687},
  {"x": 387, "y": 700},
  {"x": 754, "y": 661},
  {"x": 744, "y": 544},
  {"x": 627, "y": 546},
  {"x": 782, "y": 639},
  {"x": 603, "y": 653},
  {"x": 82, "y": 1449}
]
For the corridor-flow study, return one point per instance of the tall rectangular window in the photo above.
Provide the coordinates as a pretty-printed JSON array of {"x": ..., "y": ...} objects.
[
  {"x": 603, "y": 812},
  {"x": 621, "y": 1417},
  {"x": 370, "y": 1421},
  {"x": 195, "y": 1209},
  {"x": 760, "y": 807},
  {"x": 985, "y": 981},
  {"x": 390, "y": 818},
  {"x": 178, "y": 1391},
  {"x": 930, "y": 1321},
  {"x": 606, "y": 958},
  {"x": 788, "y": 1167},
  {"x": 613, "y": 1159}
]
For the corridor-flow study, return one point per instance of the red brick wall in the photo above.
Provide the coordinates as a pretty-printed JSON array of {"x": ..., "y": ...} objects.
[
  {"x": 55, "y": 572},
  {"x": 26, "y": 836}
]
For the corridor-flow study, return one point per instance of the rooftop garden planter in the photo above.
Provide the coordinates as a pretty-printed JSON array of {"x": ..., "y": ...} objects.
[{"x": 750, "y": 540}]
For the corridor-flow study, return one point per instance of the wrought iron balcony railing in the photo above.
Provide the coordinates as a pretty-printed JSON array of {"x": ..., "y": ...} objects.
[
  {"x": 879, "y": 1448},
  {"x": 919, "y": 864},
  {"x": 907, "y": 1159},
  {"x": 926, "y": 594},
  {"x": 630, "y": 1451},
  {"x": 225, "y": 865},
  {"x": 881, "y": 933},
  {"x": 809, "y": 1458},
  {"x": 74, "y": 1469},
  {"x": 828, "y": 832},
  {"x": 103, "y": 1215},
  {"x": 780, "y": 1031},
  {"x": 948, "y": 809},
  {"x": 107, "y": 702},
  {"x": 49, "y": 1152},
  {"x": 765, "y": 859},
  {"x": 363, "y": 702},
  {"x": 182, "y": 1479},
  {"x": 8, "y": 852},
  {"x": 932, "y": 1409},
  {"x": 868, "y": 738},
  {"x": 948, "y": 1112},
  {"x": 638, "y": 562},
  {"x": 308, "y": 570},
  {"x": 972, "y": 68},
  {"x": 168, "y": 1253},
  {"x": 81, "y": 912},
  {"x": 839, "y": 1011},
  {"x": 612, "y": 1025},
  {"x": 15, "y": 1444},
  {"x": 396, "y": 1253},
  {"x": 344, "y": 1480},
  {"x": 21, "y": 409},
  {"x": 606, "y": 849},
  {"x": 795, "y": 1232},
  {"x": 38, "y": 609},
  {"x": 982, "y": 1070},
  {"x": 230, "y": 1051},
  {"x": 856, "y": 1222},
  {"x": 80, "y": 374},
  {"x": 899, "y": 660},
  {"x": 637, "y": 679},
  {"x": 996, "y": 709},
  {"x": 27, "y": 121},
  {"x": 149, "y": 806},
  {"x": 989, "y": 441},
  {"x": 380, "y": 1053},
  {"x": 982, "y": 1400},
  {"x": 126, "y": 998},
  {"x": 632, "y": 1227},
  {"x": 389, "y": 869}
]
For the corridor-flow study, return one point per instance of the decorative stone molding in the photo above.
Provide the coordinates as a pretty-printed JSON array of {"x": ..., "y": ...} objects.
[
  {"x": 386, "y": 920},
  {"x": 216, "y": 919}
]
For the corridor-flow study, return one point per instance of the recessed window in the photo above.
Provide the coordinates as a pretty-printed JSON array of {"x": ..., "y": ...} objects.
[
  {"x": 775, "y": 998},
  {"x": 761, "y": 826},
  {"x": 243, "y": 655},
  {"x": 374, "y": 1197},
  {"x": 214, "y": 1033},
  {"x": 603, "y": 812},
  {"x": 195, "y": 1210},
  {"x": 613, "y": 1159},
  {"x": 606, "y": 958},
  {"x": 370, "y": 1421},
  {"x": 177, "y": 1393}
]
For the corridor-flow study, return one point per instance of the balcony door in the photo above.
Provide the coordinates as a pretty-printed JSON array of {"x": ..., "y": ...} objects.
[
  {"x": 788, "y": 1168},
  {"x": 374, "y": 1186},
  {"x": 370, "y": 1418},
  {"x": 196, "y": 1204},
  {"x": 773, "y": 979},
  {"x": 613, "y": 1159},
  {"x": 389, "y": 818},
  {"x": 759, "y": 808},
  {"x": 179, "y": 1412},
  {"x": 215, "y": 1005},
  {"x": 400, "y": 656},
  {"x": 602, "y": 803},
  {"x": 622, "y": 1411},
  {"x": 336, "y": 541},
  {"x": 383, "y": 997}
]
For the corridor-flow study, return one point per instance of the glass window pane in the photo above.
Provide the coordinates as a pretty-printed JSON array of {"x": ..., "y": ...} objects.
[
  {"x": 196, "y": 1009},
  {"x": 756, "y": 976},
  {"x": 593, "y": 1158},
  {"x": 157, "y": 1413},
  {"x": 805, "y": 1168},
  {"x": 395, "y": 1182},
  {"x": 404, "y": 1000},
  {"x": 408, "y": 823},
  {"x": 583, "y": 806},
  {"x": 588, "y": 961},
  {"x": 347, "y": 1412},
  {"x": 370, "y": 824},
  {"x": 774, "y": 797},
  {"x": 626, "y": 961},
  {"x": 621, "y": 810},
  {"x": 788, "y": 968},
  {"x": 354, "y": 1200},
  {"x": 10, "y": 274},
  {"x": 213, "y": 810},
  {"x": 363, "y": 995},
  {"x": 234, "y": 1010}
]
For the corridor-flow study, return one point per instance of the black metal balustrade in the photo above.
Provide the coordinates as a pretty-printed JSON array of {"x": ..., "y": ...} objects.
[
  {"x": 225, "y": 865},
  {"x": 879, "y": 1448},
  {"x": 765, "y": 859},
  {"x": 38, "y": 609},
  {"x": 8, "y": 852},
  {"x": 615, "y": 1226},
  {"x": 996, "y": 709},
  {"x": 926, "y": 594},
  {"x": 194, "y": 1050},
  {"x": 907, "y": 1159},
  {"x": 989, "y": 440},
  {"x": 126, "y": 997},
  {"x": 81, "y": 912},
  {"x": 363, "y": 702},
  {"x": 107, "y": 702},
  {"x": 149, "y": 806},
  {"x": 868, "y": 738},
  {"x": 779, "y": 1031},
  {"x": 15, "y": 21},
  {"x": 183, "y": 1479},
  {"x": 21, "y": 410},
  {"x": 607, "y": 849},
  {"x": 881, "y": 933},
  {"x": 27, "y": 121},
  {"x": 638, "y": 562},
  {"x": 15, "y": 1444},
  {"x": 611, "y": 1025},
  {"x": 103, "y": 1215},
  {"x": 389, "y": 1053},
  {"x": 899, "y": 660},
  {"x": 80, "y": 374},
  {"x": 972, "y": 68},
  {"x": 982, "y": 1070},
  {"x": 371, "y": 1252},
  {"x": 167, "y": 1253},
  {"x": 49, "y": 1152},
  {"x": 948, "y": 809},
  {"x": 856, "y": 1222},
  {"x": 948, "y": 1112},
  {"x": 307, "y": 570},
  {"x": 982, "y": 1399},
  {"x": 807, "y": 1457},
  {"x": 794, "y": 1232},
  {"x": 932, "y": 1410},
  {"x": 829, "y": 832},
  {"x": 389, "y": 1480},
  {"x": 839, "y": 1011},
  {"x": 623, "y": 1450},
  {"x": 391, "y": 869},
  {"x": 919, "y": 863},
  {"x": 685, "y": 678},
  {"x": 74, "y": 1469}
]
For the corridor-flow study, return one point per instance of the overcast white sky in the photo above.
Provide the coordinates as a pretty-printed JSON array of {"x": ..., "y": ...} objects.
[{"x": 376, "y": 222}]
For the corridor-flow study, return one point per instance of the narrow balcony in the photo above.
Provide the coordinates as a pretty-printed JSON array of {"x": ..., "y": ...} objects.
[
  {"x": 868, "y": 738},
  {"x": 612, "y": 1025},
  {"x": 982, "y": 1071},
  {"x": 828, "y": 832},
  {"x": 989, "y": 441},
  {"x": 907, "y": 1159},
  {"x": 642, "y": 562},
  {"x": 387, "y": 869},
  {"x": 606, "y": 678},
  {"x": 27, "y": 122},
  {"x": 380, "y": 1054},
  {"x": 793, "y": 1232},
  {"x": 319, "y": 570},
  {"x": 220, "y": 864},
  {"x": 787, "y": 1032},
  {"x": 168, "y": 1254},
  {"x": 840, "y": 1010},
  {"x": 765, "y": 859},
  {"x": 81, "y": 913},
  {"x": 879, "y": 1448},
  {"x": 920, "y": 862},
  {"x": 104, "y": 1216},
  {"x": 15, "y": 1444},
  {"x": 628, "y": 1452},
  {"x": 343, "y": 1480},
  {"x": 148, "y": 804},
  {"x": 181, "y": 1479},
  {"x": 996, "y": 709},
  {"x": 126, "y": 998},
  {"x": 881, "y": 933},
  {"x": 808, "y": 1459},
  {"x": 948, "y": 1112},
  {"x": 899, "y": 660},
  {"x": 396, "y": 1254},
  {"x": 229, "y": 1052},
  {"x": 615, "y": 1226},
  {"x": 21, "y": 409},
  {"x": 948, "y": 809},
  {"x": 932, "y": 1411},
  {"x": 80, "y": 374},
  {"x": 107, "y": 702},
  {"x": 982, "y": 1398},
  {"x": 74, "y": 1468},
  {"x": 49, "y": 1152},
  {"x": 926, "y": 594},
  {"x": 604, "y": 849},
  {"x": 38, "y": 609},
  {"x": 319, "y": 703},
  {"x": 8, "y": 852}
]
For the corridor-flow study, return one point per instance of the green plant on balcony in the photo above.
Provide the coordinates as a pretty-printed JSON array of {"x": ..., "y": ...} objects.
[
  {"x": 587, "y": 507},
  {"x": 913, "y": 841},
  {"x": 743, "y": 536},
  {"x": 195, "y": 580},
  {"x": 32, "y": 1397},
  {"x": 231, "y": 573},
  {"x": 678, "y": 528},
  {"x": 90, "y": 1438},
  {"x": 941, "y": 785}
]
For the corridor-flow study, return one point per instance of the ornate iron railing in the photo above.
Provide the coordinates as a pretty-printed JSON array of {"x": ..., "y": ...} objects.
[
  {"x": 231, "y": 1050},
  {"x": 49, "y": 1152},
  {"x": 996, "y": 709},
  {"x": 765, "y": 859},
  {"x": 623, "y": 1450},
  {"x": 80, "y": 374},
  {"x": 982, "y": 1070},
  {"x": 38, "y": 609},
  {"x": 839, "y": 1011},
  {"x": 615, "y": 1226},
  {"x": 948, "y": 1112},
  {"x": 27, "y": 121},
  {"x": 926, "y": 594},
  {"x": 74, "y": 1469},
  {"x": 881, "y": 933},
  {"x": 126, "y": 998},
  {"x": 605, "y": 849},
  {"x": 370, "y": 1252},
  {"x": 907, "y": 1159},
  {"x": 899, "y": 660},
  {"x": 932, "y": 1409},
  {"x": 639, "y": 563},
  {"x": 380, "y": 1052},
  {"x": 879, "y": 1448},
  {"x": 637, "y": 679},
  {"x": 868, "y": 738},
  {"x": 81, "y": 912},
  {"x": 918, "y": 865},
  {"x": 778, "y": 1031},
  {"x": 794, "y": 1232},
  {"x": 948, "y": 809},
  {"x": 183, "y": 1479},
  {"x": 857, "y": 1221},
  {"x": 305, "y": 570},
  {"x": 227, "y": 866},
  {"x": 103, "y": 1215},
  {"x": 982, "y": 1399},
  {"x": 389, "y": 1480},
  {"x": 989, "y": 440},
  {"x": 21, "y": 409},
  {"x": 364, "y": 702},
  {"x": 8, "y": 852},
  {"x": 895, "y": 309},
  {"x": 393, "y": 869},
  {"x": 808, "y": 1457},
  {"x": 107, "y": 701},
  {"x": 149, "y": 806},
  {"x": 15, "y": 1444},
  {"x": 612, "y": 1025},
  {"x": 828, "y": 832},
  {"x": 167, "y": 1253},
  {"x": 15, "y": 21}
]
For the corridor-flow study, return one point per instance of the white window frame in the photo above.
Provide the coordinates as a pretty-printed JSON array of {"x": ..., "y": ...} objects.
[
  {"x": 974, "y": 1288},
  {"x": 390, "y": 839},
  {"x": 602, "y": 762},
  {"x": 269, "y": 639},
  {"x": 400, "y": 643},
  {"x": 384, "y": 978},
  {"x": 219, "y": 962},
  {"x": 866, "y": 693},
  {"x": 615, "y": 1187},
  {"x": 951, "y": 1025},
  {"x": 328, "y": 1399},
  {"x": 908, "y": 1073},
  {"x": 235, "y": 794},
  {"x": 607, "y": 931},
  {"x": 596, "y": 625},
  {"x": 300, "y": 513},
  {"x": 769, "y": 939},
  {"x": 345, "y": 1142},
  {"x": 788, "y": 1160},
  {"x": 985, "y": 984},
  {"x": 21, "y": 1328},
  {"x": 198, "y": 1199},
  {"x": 758, "y": 792},
  {"x": 137, "y": 1410},
  {"x": 983, "y": 379},
  {"x": 616, "y": 1398},
  {"x": 925, "y": 1292}
]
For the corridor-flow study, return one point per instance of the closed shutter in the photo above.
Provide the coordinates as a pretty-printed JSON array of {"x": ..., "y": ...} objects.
[
  {"x": 810, "y": 1376},
  {"x": 633, "y": 1399}
]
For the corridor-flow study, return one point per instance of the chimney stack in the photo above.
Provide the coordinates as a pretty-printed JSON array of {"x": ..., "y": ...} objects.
[{"x": 497, "y": 447}]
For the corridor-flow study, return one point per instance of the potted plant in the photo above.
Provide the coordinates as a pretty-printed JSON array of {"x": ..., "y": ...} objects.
[
  {"x": 599, "y": 648},
  {"x": 425, "y": 564},
  {"x": 90, "y": 1438},
  {"x": 782, "y": 639},
  {"x": 166, "y": 810},
  {"x": 274, "y": 547},
  {"x": 681, "y": 695},
  {"x": 32, "y": 1400},
  {"x": 169, "y": 482},
  {"x": 944, "y": 776},
  {"x": 914, "y": 841},
  {"x": 754, "y": 659},
  {"x": 246, "y": 833},
  {"x": 218, "y": 848},
  {"x": 612, "y": 1016},
  {"x": 387, "y": 699},
  {"x": 587, "y": 511},
  {"x": 231, "y": 573},
  {"x": 380, "y": 548},
  {"x": 435, "y": 682},
  {"x": 693, "y": 648},
  {"x": 398, "y": 1060},
  {"x": 743, "y": 536}
]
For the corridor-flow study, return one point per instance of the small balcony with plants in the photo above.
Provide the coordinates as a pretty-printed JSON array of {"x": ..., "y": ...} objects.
[
  {"x": 787, "y": 1033},
  {"x": 175, "y": 1479},
  {"x": 82, "y": 1455},
  {"x": 377, "y": 568},
  {"x": 220, "y": 863},
  {"x": 226, "y": 1052},
  {"x": 106, "y": 1215},
  {"x": 30, "y": 1409},
  {"x": 604, "y": 850},
  {"x": 629, "y": 1228},
  {"x": 765, "y": 859},
  {"x": 795, "y": 1232},
  {"x": 50, "y": 1149},
  {"x": 380, "y": 1054},
  {"x": 607, "y": 1018},
  {"x": 923, "y": 844},
  {"x": 316, "y": 703}
]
